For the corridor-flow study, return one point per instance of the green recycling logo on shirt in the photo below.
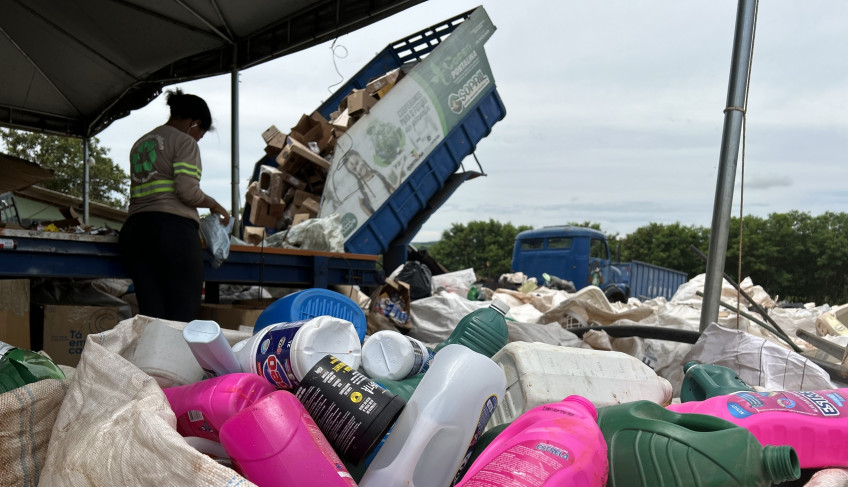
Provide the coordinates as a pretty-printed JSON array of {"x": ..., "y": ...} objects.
[{"x": 144, "y": 157}]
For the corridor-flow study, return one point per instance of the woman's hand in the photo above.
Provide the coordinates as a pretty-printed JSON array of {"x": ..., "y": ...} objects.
[{"x": 220, "y": 210}]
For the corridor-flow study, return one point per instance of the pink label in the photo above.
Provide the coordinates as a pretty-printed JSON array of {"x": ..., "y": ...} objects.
[
  {"x": 528, "y": 463},
  {"x": 326, "y": 449},
  {"x": 192, "y": 423},
  {"x": 821, "y": 404}
]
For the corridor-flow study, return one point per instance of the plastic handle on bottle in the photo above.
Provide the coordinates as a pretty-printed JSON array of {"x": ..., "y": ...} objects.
[{"x": 701, "y": 376}]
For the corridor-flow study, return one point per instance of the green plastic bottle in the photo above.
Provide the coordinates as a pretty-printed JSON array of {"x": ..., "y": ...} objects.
[
  {"x": 404, "y": 387},
  {"x": 703, "y": 381},
  {"x": 650, "y": 446},
  {"x": 19, "y": 367},
  {"x": 483, "y": 330}
]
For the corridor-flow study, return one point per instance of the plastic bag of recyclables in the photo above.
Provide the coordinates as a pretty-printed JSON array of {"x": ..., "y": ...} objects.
[{"x": 115, "y": 426}]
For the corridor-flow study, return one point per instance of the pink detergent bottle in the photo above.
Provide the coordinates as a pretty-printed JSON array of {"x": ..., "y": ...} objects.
[
  {"x": 814, "y": 423},
  {"x": 275, "y": 442},
  {"x": 553, "y": 444},
  {"x": 203, "y": 407}
]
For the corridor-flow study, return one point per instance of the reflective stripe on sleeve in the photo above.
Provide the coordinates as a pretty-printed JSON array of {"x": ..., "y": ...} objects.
[{"x": 187, "y": 169}]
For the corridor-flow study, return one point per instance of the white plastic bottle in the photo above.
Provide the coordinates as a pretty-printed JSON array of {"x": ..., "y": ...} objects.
[
  {"x": 436, "y": 432},
  {"x": 210, "y": 348},
  {"x": 392, "y": 355},
  {"x": 540, "y": 373}
]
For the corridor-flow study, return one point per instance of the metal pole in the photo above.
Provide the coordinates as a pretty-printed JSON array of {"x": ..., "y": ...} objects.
[
  {"x": 736, "y": 91},
  {"x": 236, "y": 197},
  {"x": 85, "y": 178}
]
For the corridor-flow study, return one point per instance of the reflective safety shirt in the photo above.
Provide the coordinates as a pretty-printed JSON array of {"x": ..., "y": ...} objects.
[{"x": 165, "y": 172}]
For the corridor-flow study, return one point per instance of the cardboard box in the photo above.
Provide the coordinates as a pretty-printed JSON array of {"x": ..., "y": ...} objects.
[
  {"x": 271, "y": 182},
  {"x": 232, "y": 315},
  {"x": 301, "y": 196},
  {"x": 14, "y": 312},
  {"x": 295, "y": 154},
  {"x": 274, "y": 138},
  {"x": 311, "y": 205},
  {"x": 300, "y": 218},
  {"x": 359, "y": 102},
  {"x": 380, "y": 86},
  {"x": 264, "y": 213},
  {"x": 313, "y": 128},
  {"x": 66, "y": 328},
  {"x": 254, "y": 235}
]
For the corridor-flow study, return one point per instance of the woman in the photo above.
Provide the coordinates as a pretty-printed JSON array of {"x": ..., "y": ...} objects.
[{"x": 160, "y": 240}]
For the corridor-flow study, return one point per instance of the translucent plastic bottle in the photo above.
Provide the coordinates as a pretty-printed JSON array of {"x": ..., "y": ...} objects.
[
  {"x": 814, "y": 423},
  {"x": 210, "y": 348},
  {"x": 483, "y": 330},
  {"x": 392, "y": 355},
  {"x": 436, "y": 432},
  {"x": 650, "y": 446},
  {"x": 203, "y": 407},
  {"x": 275, "y": 442},
  {"x": 703, "y": 381},
  {"x": 550, "y": 445},
  {"x": 19, "y": 367}
]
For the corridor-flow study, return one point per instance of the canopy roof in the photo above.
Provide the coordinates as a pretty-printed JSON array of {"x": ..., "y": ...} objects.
[{"x": 73, "y": 67}]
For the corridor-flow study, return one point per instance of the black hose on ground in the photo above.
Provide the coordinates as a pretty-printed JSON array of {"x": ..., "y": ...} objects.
[{"x": 642, "y": 331}]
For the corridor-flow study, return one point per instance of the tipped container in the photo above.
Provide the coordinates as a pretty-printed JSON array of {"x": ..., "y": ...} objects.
[
  {"x": 311, "y": 303},
  {"x": 539, "y": 373},
  {"x": 437, "y": 430},
  {"x": 550, "y": 445},
  {"x": 276, "y": 442},
  {"x": 210, "y": 347},
  {"x": 703, "y": 381},
  {"x": 483, "y": 330},
  {"x": 814, "y": 423},
  {"x": 203, "y": 407},
  {"x": 283, "y": 353},
  {"x": 650, "y": 446},
  {"x": 391, "y": 355}
]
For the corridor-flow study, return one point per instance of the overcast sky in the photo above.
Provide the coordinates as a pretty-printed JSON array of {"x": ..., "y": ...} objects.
[{"x": 614, "y": 110}]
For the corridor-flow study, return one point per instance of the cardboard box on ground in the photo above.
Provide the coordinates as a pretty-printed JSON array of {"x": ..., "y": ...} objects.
[
  {"x": 390, "y": 308},
  {"x": 14, "y": 312},
  {"x": 67, "y": 327},
  {"x": 291, "y": 192}
]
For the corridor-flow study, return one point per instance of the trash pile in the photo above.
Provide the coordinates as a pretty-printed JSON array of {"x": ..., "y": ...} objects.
[
  {"x": 511, "y": 389},
  {"x": 289, "y": 190}
]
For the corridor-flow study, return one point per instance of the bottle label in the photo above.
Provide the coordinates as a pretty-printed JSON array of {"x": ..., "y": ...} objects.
[
  {"x": 273, "y": 359},
  {"x": 485, "y": 414},
  {"x": 326, "y": 449},
  {"x": 192, "y": 423},
  {"x": 530, "y": 462},
  {"x": 421, "y": 358},
  {"x": 822, "y": 404}
]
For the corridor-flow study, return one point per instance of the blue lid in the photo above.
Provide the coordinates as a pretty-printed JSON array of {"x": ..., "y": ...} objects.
[{"x": 309, "y": 303}]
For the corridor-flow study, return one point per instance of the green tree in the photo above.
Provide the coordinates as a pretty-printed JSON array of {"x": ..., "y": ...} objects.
[
  {"x": 109, "y": 184},
  {"x": 484, "y": 246},
  {"x": 667, "y": 246}
]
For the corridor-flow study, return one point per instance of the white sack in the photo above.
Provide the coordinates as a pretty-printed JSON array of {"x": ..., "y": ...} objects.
[
  {"x": 434, "y": 318},
  {"x": 115, "y": 426},
  {"x": 757, "y": 361},
  {"x": 458, "y": 282}
]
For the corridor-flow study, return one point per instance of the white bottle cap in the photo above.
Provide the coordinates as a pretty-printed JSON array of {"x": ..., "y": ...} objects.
[
  {"x": 321, "y": 336},
  {"x": 499, "y": 306}
]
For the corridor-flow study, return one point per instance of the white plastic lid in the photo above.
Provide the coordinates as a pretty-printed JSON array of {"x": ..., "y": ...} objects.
[
  {"x": 499, "y": 306},
  {"x": 201, "y": 331},
  {"x": 388, "y": 355},
  {"x": 322, "y": 336}
]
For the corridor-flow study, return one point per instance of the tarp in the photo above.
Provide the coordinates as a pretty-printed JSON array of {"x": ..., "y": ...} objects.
[{"x": 72, "y": 68}]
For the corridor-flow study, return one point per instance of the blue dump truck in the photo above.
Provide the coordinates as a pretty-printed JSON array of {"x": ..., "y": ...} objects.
[
  {"x": 398, "y": 163},
  {"x": 582, "y": 256}
]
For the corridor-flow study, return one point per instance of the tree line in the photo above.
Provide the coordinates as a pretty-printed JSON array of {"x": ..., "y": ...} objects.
[{"x": 794, "y": 256}]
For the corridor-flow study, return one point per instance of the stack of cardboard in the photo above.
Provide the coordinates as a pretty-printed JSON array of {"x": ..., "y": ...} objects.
[{"x": 291, "y": 192}]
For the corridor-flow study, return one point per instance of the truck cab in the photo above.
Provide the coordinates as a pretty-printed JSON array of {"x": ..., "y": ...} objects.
[{"x": 577, "y": 254}]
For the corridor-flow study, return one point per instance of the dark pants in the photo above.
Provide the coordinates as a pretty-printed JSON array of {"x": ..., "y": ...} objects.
[{"x": 163, "y": 255}]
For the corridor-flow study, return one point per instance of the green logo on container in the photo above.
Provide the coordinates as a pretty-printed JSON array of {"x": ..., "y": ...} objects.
[{"x": 349, "y": 224}]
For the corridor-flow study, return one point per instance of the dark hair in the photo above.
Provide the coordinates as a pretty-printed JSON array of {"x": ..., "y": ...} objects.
[{"x": 191, "y": 107}]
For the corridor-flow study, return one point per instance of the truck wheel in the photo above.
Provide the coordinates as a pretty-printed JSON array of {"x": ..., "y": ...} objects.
[{"x": 615, "y": 295}]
